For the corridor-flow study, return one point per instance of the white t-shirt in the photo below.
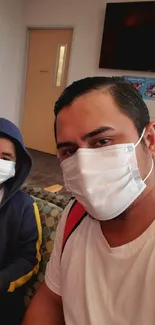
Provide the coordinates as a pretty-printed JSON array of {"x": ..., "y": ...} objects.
[{"x": 101, "y": 285}]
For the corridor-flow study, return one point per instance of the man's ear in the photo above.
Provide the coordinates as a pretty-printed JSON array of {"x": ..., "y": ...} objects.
[{"x": 150, "y": 138}]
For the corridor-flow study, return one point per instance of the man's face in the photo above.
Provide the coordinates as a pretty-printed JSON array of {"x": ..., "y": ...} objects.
[
  {"x": 94, "y": 120},
  {"x": 7, "y": 150}
]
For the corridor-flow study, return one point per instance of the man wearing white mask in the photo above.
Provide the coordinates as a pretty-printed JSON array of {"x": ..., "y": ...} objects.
[
  {"x": 102, "y": 269},
  {"x": 20, "y": 229}
]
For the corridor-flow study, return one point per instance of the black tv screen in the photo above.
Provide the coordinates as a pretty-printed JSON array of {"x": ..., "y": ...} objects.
[{"x": 128, "y": 40}]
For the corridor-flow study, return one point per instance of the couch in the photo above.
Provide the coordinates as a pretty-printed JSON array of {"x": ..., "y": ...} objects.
[
  {"x": 61, "y": 199},
  {"x": 50, "y": 208}
]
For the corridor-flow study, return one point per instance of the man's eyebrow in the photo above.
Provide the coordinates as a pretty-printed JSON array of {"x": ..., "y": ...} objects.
[
  {"x": 8, "y": 154},
  {"x": 86, "y": 136},
  {"x": 64, "y": 144},
  {"x": 97, "y": 131}
]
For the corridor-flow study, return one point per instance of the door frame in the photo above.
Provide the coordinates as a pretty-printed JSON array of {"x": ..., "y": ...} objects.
[{"x": 28, "y": 29}]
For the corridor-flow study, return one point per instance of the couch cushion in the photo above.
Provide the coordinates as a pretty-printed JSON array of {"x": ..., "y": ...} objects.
[
  {"x": 61, "y": 199},
  {"x": 50, "y": 215}
]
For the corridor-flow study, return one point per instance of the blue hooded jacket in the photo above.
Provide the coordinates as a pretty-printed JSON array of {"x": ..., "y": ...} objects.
[{"x": 20, "y": 228}]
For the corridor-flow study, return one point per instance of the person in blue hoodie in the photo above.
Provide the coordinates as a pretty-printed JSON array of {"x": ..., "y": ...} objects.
[{"x": 20, "y": 227}]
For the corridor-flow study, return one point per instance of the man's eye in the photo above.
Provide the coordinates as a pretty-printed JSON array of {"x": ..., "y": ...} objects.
[
  {"x": 101, "y": 142},
  {"x": 68, "y": 152},
  {"x": 7, "y": 159}
]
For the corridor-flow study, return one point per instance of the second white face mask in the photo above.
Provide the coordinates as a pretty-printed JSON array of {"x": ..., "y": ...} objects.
[
  {"x": 7, "y": 170},
  {"x": 106, "y": 181}
]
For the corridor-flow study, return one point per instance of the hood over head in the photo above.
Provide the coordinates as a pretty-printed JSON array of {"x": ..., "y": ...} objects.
[{"x": 9, "y": 131}]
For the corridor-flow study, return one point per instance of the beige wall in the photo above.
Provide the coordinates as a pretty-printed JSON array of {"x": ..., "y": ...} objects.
[{"x": 12, "y": 41}]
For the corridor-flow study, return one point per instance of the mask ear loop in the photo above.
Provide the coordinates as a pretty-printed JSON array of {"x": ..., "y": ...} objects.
[
  {"x": 149, "y": 172},
  {"x": 137, "y": 143},
  {"x": 152, "y": 166}
]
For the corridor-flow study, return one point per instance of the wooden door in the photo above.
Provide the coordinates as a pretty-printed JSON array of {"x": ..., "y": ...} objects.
[{"x": 47, "y": 66}]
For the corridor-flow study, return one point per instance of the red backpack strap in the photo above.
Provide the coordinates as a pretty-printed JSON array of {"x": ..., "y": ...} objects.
[{"x": 76, "y": 214}]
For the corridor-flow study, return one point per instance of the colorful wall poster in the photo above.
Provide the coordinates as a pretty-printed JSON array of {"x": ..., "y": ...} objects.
[
  {"x": 149, "y": 92},
  {"x": 137, "y": 82}
]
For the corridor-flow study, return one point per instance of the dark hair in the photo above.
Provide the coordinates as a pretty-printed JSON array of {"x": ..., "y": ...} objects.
[{"x": 125, "y": 95}]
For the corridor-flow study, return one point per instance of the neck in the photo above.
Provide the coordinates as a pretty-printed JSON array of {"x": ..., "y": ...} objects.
[{"x": 132, "y": 223}]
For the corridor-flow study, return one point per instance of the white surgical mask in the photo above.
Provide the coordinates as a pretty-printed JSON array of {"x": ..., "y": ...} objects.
[
  {"x": 106, "y": 181},
  {"x": 7, "y": 170}
]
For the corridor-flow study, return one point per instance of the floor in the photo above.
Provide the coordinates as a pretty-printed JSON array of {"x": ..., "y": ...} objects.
[{"x": 46, "y": 170}]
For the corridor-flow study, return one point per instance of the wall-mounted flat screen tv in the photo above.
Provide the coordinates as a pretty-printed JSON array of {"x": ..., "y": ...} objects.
[{"x": 128, "y": 40}]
